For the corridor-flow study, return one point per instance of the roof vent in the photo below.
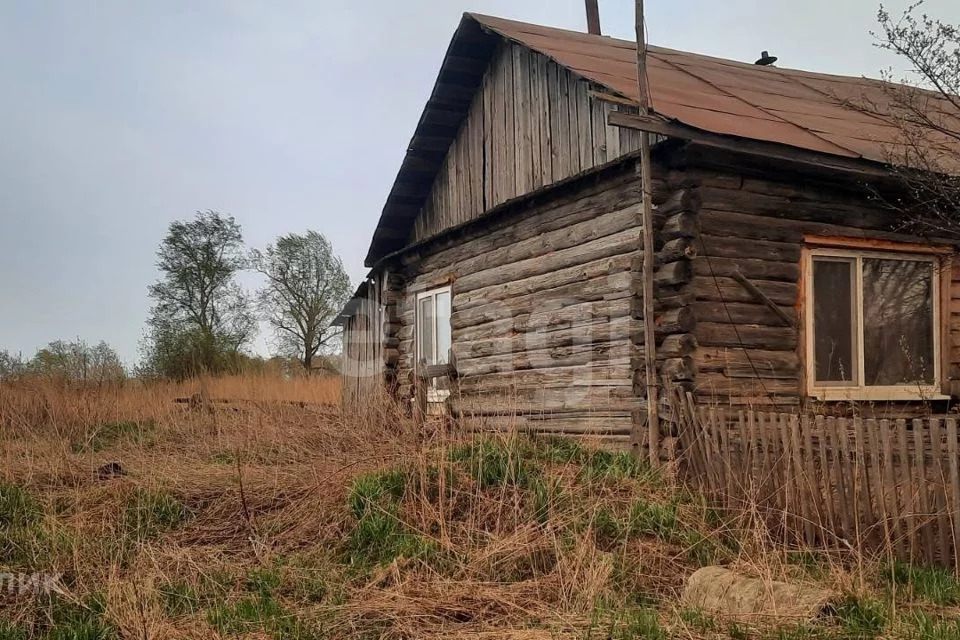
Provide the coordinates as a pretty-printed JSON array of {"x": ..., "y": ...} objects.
[{"x": 766, "y": 59}]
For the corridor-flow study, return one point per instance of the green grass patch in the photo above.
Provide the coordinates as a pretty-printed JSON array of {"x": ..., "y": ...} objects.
[
  {"x": 861, "y": 616},
  {"x": 22, "y": 537},
  {"x": 70, "y": 620},
  {"x": 374, "y": 490},
  {"x": 224, "y": 457},
  {"x": 109, "y": 434},
  {"x": 11, "y": 632},
  {"x": 697, "y": 620},
  {"x": 929, "y": 584},
  {"x": 918, "y": 625},
  {"x": 18, "y": 508},
  {"x": 150, "y": 513},
  {"x": 180, "y": 599},
  {"x": 378, "y": 535},
  {"x": 559, "y": 450},
  {"x": 636, "y": 623},
  {"x": 602, "y": 464},
  {"x": 264, "y": 614},
  {"x": 653, "y": 519},
  {"x": 494, "y": 463}
]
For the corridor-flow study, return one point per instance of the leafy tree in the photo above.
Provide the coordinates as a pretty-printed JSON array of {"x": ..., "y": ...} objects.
[
  {"x": 75, "y": 360},
  {"x": 201, "y": 318},
  {"x": 306, "y": 287},
  {"x": 11, "y": 366},
  {"x": 925, "y": 109}
]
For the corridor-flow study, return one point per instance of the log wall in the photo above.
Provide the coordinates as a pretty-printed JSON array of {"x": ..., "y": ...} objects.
[
  {"x": 541, "y": 319},
  {"x": 747, "y": 354},
  {"x": 532, "y": 123}
]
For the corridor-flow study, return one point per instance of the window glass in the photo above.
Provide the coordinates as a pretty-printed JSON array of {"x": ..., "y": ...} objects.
[
  {"x": 443, "y": 326},
  {"x": 833, "y": 326},
  {"x": 898, "y": 321},
  {"x": 425, "y": 324}
]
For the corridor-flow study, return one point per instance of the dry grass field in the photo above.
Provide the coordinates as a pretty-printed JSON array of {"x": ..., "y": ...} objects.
[{"x": 277, "y": 515}]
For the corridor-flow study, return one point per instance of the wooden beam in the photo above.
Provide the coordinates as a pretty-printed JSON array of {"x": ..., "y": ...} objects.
[
  {"x": 649, "y": 256},
  {"x": 879, "y": 245},
  {"x": 593, "y": 17},
  {"x": 762, "y": 297},
  {"x": 774, "y": 150},
  {"x": 428, "y": 372},
  {"x": 609, "y": 97}
]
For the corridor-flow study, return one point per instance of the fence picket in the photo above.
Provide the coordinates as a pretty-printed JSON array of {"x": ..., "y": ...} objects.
[
  {"x": 827, "y": 497},
  {"x": 871, "y": 483},
  {"x": 923, "y": 486},
  {"x": 952, "y": 452},
  {"x": 890, "y": 489},
  {"x": 905, "y": 480},
  {"x": 939, "y": 489},
  {"x": 811, "y": 481},
  {"x": 841, "y": 510}
]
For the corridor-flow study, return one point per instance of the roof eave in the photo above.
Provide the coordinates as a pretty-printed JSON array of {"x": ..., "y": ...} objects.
[{"x": 461, "y": 73}]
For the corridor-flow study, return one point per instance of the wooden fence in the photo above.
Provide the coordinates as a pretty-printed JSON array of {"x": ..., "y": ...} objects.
[{"x": 869, "y": 484}]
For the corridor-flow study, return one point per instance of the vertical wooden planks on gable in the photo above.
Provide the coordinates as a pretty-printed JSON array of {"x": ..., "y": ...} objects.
[
  {"x": 584, "y": 132},
  {"x": 598, "y": 130},
  {"x": 523, "y": 151},
  {"x": 536, "y": 119},
  {"x": 486, "y": 143},
  {"x": 546, "y": 128},
  {"x": 508, "y": 144},
  {"x": 573, "y": 135},
  {"x": 499, "y": 129},
  {"x": 613, "y": 133},
  {"x": 477, "y": 169},
  {"x": 553, "y": 100},
  {"x": 629, "y": 138},
  {"x": 562, "y": 166}
]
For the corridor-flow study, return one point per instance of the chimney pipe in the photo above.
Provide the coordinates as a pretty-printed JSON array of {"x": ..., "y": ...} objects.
[{"x": 593, "y": 17}]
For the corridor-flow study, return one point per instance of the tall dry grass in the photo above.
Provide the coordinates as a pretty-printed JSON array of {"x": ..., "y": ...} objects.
[{"x": 279, "y": 514}]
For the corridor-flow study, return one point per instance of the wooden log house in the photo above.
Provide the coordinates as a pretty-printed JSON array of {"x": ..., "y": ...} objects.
[{"x": 506, "y": 262}]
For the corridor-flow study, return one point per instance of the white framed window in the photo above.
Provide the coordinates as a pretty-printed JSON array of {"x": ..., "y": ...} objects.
[
  {"x": 872, "y": 324},
  {"x": 433, "y": 326}
]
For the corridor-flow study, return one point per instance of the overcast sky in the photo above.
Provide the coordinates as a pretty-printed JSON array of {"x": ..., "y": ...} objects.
[{"x": 119, "y": 116}]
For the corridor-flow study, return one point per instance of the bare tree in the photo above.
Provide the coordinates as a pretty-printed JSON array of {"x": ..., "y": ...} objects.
[
  {"x": 201, "y": 317},
  {"x": 306, "y": 287},
  {"x": 925, "y": 111}
]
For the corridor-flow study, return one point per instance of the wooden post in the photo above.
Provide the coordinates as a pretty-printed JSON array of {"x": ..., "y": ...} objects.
[
  {"x": 646, "y": 179},
  {"x": 593, "y": 17}
]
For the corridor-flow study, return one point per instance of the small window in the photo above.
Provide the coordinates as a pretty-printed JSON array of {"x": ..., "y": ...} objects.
[
  {"x": 872, "y": 325},
  {"x": 433, "y": 327}
]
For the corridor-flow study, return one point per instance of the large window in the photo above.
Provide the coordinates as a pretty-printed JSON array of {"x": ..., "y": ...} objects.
[
  {"x": 433, "y": 327},
  {"x": 872, "y": 324}
]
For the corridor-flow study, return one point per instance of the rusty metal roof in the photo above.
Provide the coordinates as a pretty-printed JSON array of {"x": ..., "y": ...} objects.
[
  {"x": 823, "y": 113},
  {"x": 831, "y": 114}
]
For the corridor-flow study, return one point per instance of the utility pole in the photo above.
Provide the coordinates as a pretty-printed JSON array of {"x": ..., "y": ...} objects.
[
  {"x": 646, "y": 180},
  {"x": 593, "y": 17}
]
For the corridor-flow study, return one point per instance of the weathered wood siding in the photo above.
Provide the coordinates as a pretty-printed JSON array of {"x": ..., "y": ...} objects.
[
  {"x": 532, "y": 123},
  {"x": 745, "y": 353},
  {"x": 367, "y": 355},
  {"x": 541, "y": 304}
]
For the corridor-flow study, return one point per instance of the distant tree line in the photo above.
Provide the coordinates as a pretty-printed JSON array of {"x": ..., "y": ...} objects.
[
  {"x": 203, "y": 321},
  {"x": 68, "y": 360}
]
